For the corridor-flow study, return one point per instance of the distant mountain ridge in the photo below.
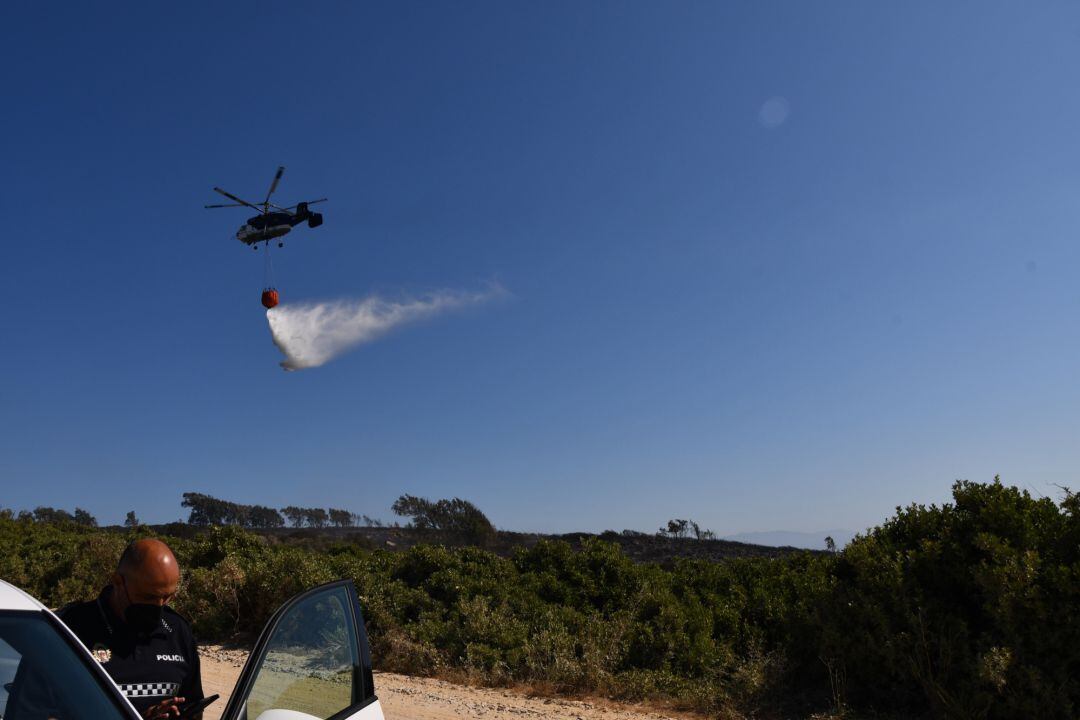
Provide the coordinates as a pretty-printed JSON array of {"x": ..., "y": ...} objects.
[{"x": 791, "y": 538}]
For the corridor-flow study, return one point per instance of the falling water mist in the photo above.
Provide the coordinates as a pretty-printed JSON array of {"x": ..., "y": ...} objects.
[{"x": 310, "y": 334}]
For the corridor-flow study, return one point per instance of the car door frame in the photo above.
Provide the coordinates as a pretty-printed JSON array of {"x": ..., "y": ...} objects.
[{"x": 363, "y": 686}]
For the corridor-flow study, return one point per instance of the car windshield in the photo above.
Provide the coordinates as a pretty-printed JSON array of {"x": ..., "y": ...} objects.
[{"x": 41, "y": 675}]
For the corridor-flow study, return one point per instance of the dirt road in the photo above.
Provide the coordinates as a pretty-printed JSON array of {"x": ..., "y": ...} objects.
[{"x": 408, "y": 698}]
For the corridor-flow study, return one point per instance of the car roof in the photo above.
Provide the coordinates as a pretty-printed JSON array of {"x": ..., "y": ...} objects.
[{"x": 12, "y": 598}]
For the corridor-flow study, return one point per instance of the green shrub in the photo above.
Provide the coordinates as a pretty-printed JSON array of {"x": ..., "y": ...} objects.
[{"x": 968, "y": 610}]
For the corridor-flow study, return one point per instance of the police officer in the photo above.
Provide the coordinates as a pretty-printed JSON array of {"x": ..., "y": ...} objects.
[{"x": 144, "y": 645}]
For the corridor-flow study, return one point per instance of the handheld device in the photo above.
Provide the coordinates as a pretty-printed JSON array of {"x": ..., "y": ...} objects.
[{"x": 191, "y": 709}]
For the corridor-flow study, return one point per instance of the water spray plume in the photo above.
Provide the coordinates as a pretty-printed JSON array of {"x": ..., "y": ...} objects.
[{"x": 310, "y": 334}]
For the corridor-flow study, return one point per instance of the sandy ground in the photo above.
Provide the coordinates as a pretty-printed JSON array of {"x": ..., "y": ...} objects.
[{"x": 408, "y": 698}]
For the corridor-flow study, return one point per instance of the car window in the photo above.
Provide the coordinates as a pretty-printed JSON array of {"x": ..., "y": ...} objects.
[
  {"x": 9, "y": 663},
  {"x": 42, "y": 676},
  {"x": 311, "y": 659}
]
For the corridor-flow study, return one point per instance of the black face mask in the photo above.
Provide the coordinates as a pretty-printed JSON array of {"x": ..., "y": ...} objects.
[{"x": 142, "y": 617}]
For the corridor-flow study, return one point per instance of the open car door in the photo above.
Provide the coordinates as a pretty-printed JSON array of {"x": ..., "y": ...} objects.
[{"x": 312, "y": 662}]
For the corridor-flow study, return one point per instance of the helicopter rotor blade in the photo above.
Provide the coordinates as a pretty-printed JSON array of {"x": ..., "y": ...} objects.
[
  {"x": 233, "y": 197},
  {"x": 309, "y": 202},
  {"x": 221, "y": 206},
  {"x": 273, "y": 185}
]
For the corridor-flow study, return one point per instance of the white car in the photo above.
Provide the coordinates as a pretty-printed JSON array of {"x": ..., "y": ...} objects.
[{"x": 312, "y": 662}]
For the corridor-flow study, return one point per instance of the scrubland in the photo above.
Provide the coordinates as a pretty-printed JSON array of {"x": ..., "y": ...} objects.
[{"x": 966, "y": 610}]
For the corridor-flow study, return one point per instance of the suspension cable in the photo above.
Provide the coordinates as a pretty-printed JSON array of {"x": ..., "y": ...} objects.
[{"x": 268, "y": 267}]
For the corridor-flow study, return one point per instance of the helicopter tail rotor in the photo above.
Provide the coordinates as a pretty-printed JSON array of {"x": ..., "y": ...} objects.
[{"x": 302, "y": 213}]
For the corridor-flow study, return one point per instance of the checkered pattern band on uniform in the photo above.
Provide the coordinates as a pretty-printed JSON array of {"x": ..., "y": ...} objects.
[{"x": 163, "y": 689}]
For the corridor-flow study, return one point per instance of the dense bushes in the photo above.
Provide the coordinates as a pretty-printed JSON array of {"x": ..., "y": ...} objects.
[
  {"x": 971, "y": 610},
  {"x": 964, "y": 611}
]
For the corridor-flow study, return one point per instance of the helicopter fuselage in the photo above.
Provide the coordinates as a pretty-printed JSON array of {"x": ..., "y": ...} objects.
[
  {"x": 249, "y": 235},
  {"x": 268, "y": 226}
]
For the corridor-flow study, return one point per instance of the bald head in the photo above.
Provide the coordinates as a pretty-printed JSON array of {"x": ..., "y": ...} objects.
[
  {"x": 146, "y": 555},
  {"x": 147, "y": 573}
]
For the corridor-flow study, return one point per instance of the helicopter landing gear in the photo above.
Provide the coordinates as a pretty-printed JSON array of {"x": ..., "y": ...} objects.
[{"x": 281, "y": 244}]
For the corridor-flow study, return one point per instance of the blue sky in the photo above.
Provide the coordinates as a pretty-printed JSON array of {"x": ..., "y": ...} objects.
[{"x": 756, "y": 325}]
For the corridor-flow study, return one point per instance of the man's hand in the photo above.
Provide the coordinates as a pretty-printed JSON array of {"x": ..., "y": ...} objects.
[{"x": 165, "y": 709}]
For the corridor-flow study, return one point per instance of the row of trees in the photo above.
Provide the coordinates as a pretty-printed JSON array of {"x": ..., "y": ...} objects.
[
  {"x": 331, "y": 517},
  {"x": 51, "y": 515},
  {"x": 208, "y": 510},
  {"x": 455, "y": 516},
  {"x": 450, "y": 516}
]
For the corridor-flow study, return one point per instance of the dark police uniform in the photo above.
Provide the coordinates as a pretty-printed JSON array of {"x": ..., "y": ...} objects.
[{"x": 148, "y": 667}]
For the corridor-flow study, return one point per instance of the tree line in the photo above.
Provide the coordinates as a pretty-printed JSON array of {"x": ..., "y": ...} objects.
[
  {"x": 206, "y": 510},
  {"x": 47, "y": 514},
  {"x": 454, "y": 516},
  {"x": 451, "y": 517}
]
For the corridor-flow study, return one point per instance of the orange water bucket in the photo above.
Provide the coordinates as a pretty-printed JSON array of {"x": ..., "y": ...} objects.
[{"x": 269, "y": 298}]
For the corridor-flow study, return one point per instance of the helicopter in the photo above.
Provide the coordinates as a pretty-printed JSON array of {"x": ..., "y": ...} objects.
[{"x": 268, "y": 225}]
